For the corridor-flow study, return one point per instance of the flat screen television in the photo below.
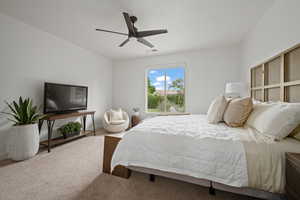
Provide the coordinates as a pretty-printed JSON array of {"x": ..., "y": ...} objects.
[{"x": 62, "y": 98}]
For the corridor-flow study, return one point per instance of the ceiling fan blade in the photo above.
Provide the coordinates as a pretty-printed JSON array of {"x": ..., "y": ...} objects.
[
  {"x": 151, "y": 32},
  {"x": 145, "y": 42},
  {"x": 123, "y": 43},
  {"x": 108, "y": 31},
  {"x": 129, "y": 23}
]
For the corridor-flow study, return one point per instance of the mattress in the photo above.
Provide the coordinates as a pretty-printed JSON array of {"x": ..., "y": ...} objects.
[{"x": 188, "y": 145}]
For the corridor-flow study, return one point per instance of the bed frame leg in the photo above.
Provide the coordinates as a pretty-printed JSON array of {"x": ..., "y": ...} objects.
[
  {"x": 212, "y": 190},
  {"x": 151, "y": 177}
]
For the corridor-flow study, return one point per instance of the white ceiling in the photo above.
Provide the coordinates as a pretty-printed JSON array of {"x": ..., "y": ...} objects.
[{"x": 192, "y": 24}]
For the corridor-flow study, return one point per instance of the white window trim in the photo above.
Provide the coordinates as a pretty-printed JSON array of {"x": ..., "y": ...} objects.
[{"x": 164, "y": 66}]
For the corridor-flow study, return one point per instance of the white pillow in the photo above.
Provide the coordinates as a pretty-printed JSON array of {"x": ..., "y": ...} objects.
[
  {"x": 216, "y": 110},
  {"x": 116, "y": 115},
  {"x": 275, "y": 120},
  {"x": 255, "y": 117}
]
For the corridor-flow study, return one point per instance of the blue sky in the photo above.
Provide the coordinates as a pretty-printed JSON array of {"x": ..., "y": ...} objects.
[{"x": 156, "y": 76}]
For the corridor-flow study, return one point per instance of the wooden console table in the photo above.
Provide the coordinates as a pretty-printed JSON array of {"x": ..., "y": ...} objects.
[{"x": 50, "y": 119}]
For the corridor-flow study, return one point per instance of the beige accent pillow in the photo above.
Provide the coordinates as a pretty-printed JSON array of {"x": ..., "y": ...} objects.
[
  {"x": 216, "y": 110},
  {"x": 116, "y": 115},
  {"x": 238, "y": 111}
]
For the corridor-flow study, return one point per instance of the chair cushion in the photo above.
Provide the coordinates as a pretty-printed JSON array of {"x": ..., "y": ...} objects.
[
  {"x": 116, "y": 115},
  {"x": 117, "y": 122}
]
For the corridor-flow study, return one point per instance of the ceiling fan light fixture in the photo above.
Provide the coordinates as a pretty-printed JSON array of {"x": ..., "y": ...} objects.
[{"x": 133, "y": 32}]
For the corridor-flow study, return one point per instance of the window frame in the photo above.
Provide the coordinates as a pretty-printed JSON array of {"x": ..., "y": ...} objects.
[{"x": 165, "y": 66}]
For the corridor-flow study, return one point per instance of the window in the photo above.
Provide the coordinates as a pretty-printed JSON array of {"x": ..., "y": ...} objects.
[{"x": 165, "y": 90}]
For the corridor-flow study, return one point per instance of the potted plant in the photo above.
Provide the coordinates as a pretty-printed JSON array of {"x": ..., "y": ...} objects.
[
  {"x": 24, "y": 138},
  {"x": 70, "y": 129}
]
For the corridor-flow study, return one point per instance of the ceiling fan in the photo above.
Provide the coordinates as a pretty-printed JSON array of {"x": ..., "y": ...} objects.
[{"x": 134, "y": 33}]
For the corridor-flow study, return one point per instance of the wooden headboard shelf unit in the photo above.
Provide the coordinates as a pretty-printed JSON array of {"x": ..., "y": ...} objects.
[{"x": 278, "y": 78}]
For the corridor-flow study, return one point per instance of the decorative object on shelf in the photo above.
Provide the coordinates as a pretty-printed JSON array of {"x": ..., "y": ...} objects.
[
  {"x": 24, "y": 138},
  {"x": 235, "y": 90},
  {"x": 113, "y": 124},
  {"x": 136, "y": 111},
  {"x": 70, "y": 129}
]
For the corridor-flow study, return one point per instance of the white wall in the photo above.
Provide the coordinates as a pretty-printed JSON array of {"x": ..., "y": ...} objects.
[
  {"x": 277, "y": 31},
  {"x": 29, "y": 57},
  {"x": 207, "y": 71}
]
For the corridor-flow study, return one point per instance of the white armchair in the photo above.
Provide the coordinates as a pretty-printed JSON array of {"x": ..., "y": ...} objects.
[{"x": 115, "y": 126}]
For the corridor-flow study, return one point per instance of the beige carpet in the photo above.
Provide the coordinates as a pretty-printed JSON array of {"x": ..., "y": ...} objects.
[{"x": 73, "y": 172}]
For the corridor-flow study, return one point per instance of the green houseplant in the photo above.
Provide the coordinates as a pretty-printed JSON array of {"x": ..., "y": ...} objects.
[
  {"x": 22, "y": 112},
  {"x": 70, "y": 129},
  {"x": 24, "y": 137}
]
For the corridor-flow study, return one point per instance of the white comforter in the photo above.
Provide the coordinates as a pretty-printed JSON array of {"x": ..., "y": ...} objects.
[{"x": 186, "y": 145}]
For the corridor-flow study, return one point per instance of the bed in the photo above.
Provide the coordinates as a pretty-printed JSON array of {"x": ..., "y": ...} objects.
[
  {"x": 239, "y": 160},
  {"x": 188, "y": 148}
]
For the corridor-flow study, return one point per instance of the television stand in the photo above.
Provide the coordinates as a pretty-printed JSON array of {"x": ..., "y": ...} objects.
[{"x": 51, "y": 118}]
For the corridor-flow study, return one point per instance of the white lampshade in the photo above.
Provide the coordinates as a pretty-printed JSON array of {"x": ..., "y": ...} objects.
[{"x": 235, "y": 89}]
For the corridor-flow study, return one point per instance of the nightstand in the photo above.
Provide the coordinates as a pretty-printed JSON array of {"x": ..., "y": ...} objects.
[
  {"x": 135, "y": 120},
  {"x": 293, "y": 176}
]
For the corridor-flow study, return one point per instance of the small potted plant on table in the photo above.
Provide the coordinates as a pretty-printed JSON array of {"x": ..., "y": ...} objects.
[
  {"x": 70, "y": 129},
  {"x": 24, "y": 137}
]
